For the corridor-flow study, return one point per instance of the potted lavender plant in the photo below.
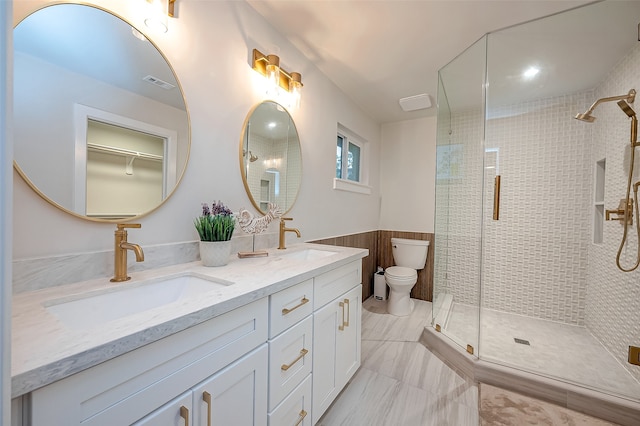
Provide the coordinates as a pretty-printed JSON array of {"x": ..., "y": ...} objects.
[{"x": 215, "y": 228}]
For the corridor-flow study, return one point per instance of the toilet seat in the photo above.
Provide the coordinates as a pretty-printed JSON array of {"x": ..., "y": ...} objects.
[
  {"x": 400, "y": 280},
  {"x": 401, "y": 273}
]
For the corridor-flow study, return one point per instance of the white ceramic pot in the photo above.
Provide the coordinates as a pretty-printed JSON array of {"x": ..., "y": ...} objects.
[{"x": 215, "y": 253}]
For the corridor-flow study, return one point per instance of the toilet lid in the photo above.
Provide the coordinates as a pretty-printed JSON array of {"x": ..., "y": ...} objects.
[{"x": 400, "y": 272}]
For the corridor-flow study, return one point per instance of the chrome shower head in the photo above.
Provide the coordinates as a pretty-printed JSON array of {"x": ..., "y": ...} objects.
[
  {"x": 585, "y": 117},
  {"x": 624, "y": 106}
]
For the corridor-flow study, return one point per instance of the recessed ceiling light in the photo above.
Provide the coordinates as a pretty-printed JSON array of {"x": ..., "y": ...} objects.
[{"x": 530, "y": 73}]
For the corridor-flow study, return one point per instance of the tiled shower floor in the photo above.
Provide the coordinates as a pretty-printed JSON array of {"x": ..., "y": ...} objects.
[{"x": 562, "y": 351}]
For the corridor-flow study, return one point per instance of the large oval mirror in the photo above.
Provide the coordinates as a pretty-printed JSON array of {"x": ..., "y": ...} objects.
[
  {"x": 101, "y": 127},
  {"x": 270, "y": 158}
]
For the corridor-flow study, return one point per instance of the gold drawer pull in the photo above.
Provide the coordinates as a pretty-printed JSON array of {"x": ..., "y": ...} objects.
[
  {"x": 302, "y": 415},
  {"x": 184, "y": 413},
  {"x": 304, "y": 300},
  {"x": 341, "y": 326},
  {"x": 346, "y": 302},
  {"x": 303, "y": 352},
  {"x": 206, "y": 397}
]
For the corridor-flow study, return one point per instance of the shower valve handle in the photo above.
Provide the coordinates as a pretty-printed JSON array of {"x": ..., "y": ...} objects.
[
  {"x": 620, "y": 214},
  {"x": 620, "y": 211}
]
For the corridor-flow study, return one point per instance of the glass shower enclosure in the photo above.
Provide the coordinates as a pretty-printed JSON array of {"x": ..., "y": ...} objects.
[{"x": 525, "y": 260}]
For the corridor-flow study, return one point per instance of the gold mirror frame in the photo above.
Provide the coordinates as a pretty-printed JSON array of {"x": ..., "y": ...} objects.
[
  {"x": 180, "y": 166},
  {"x": 288, "y": 166}
]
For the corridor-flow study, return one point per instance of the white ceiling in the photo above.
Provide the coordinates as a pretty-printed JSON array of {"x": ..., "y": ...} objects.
[{"x": 380, "y": 51}]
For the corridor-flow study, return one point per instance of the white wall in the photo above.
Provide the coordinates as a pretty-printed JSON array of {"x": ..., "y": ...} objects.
[
  {"x": 209, "y": 45},
  {"x": 6, "y": 158},
  {"x": 407, "y": 171}
]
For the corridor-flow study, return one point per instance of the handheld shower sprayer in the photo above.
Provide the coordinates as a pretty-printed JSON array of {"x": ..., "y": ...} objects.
[
  {"x": 626, "y": 108},
  {"x": 630, "y": 205}
]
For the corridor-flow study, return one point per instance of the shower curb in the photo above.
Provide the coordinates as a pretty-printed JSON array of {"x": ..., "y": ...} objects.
[{"x": 608, "y": 407}]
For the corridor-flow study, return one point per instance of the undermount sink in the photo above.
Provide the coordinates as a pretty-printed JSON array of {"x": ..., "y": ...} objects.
[
  {"x": 307, "y": 254},
  {"x": 120, "y": 301}
]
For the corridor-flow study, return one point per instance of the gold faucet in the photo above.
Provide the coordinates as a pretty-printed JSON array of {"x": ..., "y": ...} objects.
[
  {"x": 283, "y": 230},
  {"x": 122, "y": 245}
]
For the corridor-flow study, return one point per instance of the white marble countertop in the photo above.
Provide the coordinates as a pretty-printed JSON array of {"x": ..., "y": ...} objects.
[{"x": 45, "y": 350}]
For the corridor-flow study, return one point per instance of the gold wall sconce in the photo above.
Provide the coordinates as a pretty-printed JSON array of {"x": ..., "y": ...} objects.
[
  {"x": 269, "y": 66},
  {"x": 158, "y": 14}
]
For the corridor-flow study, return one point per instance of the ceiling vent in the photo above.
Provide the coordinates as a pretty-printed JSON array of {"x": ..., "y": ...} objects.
[
  {"x": 413, "y": 103},
  {"x": 154, "y": 80}
]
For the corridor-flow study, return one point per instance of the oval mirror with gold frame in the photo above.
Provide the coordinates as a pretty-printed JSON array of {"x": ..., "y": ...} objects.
[
  {"x": 270, "y": 157},
  {"x": 101, "y": 126}
]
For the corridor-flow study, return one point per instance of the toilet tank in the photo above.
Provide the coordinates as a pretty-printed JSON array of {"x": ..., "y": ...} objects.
[{"x": 409, "y": 253}]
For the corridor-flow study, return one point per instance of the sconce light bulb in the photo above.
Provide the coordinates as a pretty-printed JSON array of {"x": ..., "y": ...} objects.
[
  {"x": 273, "y": 74},
  {"x": 295, "y": 88},
  {"x": 157, "y": 15}
]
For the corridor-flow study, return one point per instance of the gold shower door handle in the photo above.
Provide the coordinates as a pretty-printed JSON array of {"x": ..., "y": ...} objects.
[
  {"x": 496, "y": 198},
  {"x": 206, "y": 397}
]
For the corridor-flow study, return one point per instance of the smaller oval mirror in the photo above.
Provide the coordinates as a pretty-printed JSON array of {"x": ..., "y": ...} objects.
[{"x": 270, "y": 157}]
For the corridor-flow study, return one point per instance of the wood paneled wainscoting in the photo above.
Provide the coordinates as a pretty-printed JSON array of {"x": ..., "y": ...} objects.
[{"x": 379, "y": 245}]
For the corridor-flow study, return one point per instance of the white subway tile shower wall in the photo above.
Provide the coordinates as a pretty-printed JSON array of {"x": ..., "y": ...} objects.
[
  {"x": 613, "y": 297},
  {"x": 535, "y": 256}
]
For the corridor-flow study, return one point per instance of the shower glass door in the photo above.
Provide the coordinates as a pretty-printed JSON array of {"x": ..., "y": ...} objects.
[
  {"x": 550, "y": 288},
  {"x": 459, "y": 200}
]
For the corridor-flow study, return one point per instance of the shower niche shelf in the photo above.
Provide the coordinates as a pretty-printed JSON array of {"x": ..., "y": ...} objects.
[{"x": 598, "y": 201}]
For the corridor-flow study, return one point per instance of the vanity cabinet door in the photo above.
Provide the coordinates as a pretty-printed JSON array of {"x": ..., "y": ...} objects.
[
  {"x": 174, "y": 413},
  {"x": 349, "y": 339},
  {"x": 325, "y": 339},
  {"x": 237, "y": 395},
  {"x": 336, "y": 343}
]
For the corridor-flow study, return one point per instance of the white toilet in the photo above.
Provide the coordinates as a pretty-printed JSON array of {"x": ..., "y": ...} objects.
[{"x": 409, "y": 256}]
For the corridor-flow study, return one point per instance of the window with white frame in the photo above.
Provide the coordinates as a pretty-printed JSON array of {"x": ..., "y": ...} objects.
[{"x": 351, "y": 171}]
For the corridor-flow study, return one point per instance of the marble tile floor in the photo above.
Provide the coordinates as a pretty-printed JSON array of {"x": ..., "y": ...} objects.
[
  {"x": 401, "y": 383},
  {"x": 551, "y": 348}
]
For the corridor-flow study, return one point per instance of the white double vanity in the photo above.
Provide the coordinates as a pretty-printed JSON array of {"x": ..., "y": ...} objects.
[
  {"x": 261, "y": 341},
  {"x": 272, "y": 341}
]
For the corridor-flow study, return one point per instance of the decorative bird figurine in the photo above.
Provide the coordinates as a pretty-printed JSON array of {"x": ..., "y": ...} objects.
[{"x": 252, "y": 225}]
